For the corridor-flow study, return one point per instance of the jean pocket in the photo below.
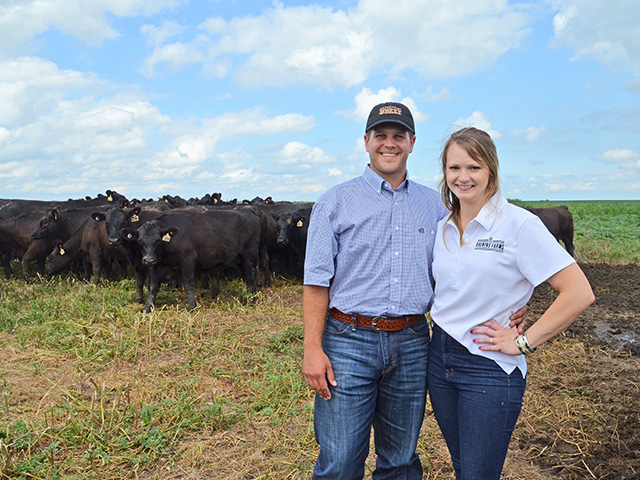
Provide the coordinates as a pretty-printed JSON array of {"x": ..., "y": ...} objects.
[
  {"x": 420, "y": 329},
  {"x": 336, "y": 327}
]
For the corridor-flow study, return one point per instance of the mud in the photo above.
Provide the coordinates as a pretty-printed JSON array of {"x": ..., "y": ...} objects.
[{"x": 606, "y": 375}]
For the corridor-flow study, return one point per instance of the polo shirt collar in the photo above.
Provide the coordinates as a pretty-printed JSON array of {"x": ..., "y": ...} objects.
[
  {"x": 489, "y": 212},
  {"x": 378, "y": 183}
]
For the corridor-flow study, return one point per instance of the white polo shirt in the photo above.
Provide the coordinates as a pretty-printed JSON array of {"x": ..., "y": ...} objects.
[{"x": 507, "y": 252}]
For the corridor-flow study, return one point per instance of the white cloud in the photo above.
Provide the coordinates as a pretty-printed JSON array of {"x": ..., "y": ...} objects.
[
  {"x": 176, "y": 56},
  {"x": 59, "y": 135},
  {"x": 21, "y": 20},
  {"x": 531, "y": 134},
  {"x": 621, "y": 156},
  {"x": 157, "y": 35},
  {"x": 296, "y": 153},
  {"x": 321, "y": 46},
  {"x": 366, "y": 99},
  {"x": 479, "y": 120},
  {"x": 600, "y": 30}
]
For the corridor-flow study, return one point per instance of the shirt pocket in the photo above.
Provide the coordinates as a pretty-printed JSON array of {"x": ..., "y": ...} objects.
[{"x": 422, "y": 239}]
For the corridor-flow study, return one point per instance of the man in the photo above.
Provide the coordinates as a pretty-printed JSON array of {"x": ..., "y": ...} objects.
[{"x": 368, "y": 284}]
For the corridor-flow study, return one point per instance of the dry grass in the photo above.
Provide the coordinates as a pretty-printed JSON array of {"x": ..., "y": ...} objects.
[{"x": 218, "y": 394}]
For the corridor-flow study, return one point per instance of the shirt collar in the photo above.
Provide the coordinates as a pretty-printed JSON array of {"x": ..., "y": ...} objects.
[
  {"x": 378, "y": 183},
  {"x": 489, "y": 212}
]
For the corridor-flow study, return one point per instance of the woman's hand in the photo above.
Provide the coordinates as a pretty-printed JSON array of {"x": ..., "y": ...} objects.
[{"x": 496, "y": 338}]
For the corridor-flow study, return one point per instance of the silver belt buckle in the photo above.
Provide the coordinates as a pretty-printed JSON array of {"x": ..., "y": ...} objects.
[{"x": 374, "y": 322}]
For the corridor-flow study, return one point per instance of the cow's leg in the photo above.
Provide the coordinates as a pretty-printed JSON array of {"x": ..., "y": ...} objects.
[
  {"x": 568, "y": 244},
  {"x": 138, "y": 273},
  {"x": 6, "y": 264},
  {"x": 189, "y": 282},
  {"x": 249, "y": 271},
  {"x": 264, "y": 265},
  {"x": 154, "y": 287},
  {"x": 96, "y": 264},
  {"x": 214, "y": 280}
]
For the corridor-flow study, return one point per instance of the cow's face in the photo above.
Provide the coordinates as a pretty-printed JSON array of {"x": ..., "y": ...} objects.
[
  {"x": 58, "y": 260},
  {"x": 117, "y": 219},
  {"x": 290, "y": 226},
  {"x": 151, "y": 239},
  {"x": 47, "y": 225}
]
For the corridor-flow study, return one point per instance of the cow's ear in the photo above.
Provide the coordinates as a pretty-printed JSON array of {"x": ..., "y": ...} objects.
[
  {"x": 98, "y": 216},
  {"x": 134, "y": 215},
  {"x": 129, "y": 234},
  {"x": 169, "y": 233}
]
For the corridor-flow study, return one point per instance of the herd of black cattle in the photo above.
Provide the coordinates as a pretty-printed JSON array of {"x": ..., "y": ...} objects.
[
  {"x": 172, "y": 239},
  {"x": 160, "y": 241}
]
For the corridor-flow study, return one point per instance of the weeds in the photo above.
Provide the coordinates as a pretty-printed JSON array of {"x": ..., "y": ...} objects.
[{"x": 91, "y": 388}]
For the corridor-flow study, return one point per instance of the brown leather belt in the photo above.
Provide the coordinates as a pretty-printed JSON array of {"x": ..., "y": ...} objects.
[{"x": 381, "y": 323}]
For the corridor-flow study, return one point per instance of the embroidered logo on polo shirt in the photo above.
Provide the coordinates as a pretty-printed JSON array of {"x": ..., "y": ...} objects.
[{"x": 490, "y": 245}]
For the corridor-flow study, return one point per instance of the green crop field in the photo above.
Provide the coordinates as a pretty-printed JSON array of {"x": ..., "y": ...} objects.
[
  {"x": 606, "y": 231},
  {"x": 91, "y": 388}
]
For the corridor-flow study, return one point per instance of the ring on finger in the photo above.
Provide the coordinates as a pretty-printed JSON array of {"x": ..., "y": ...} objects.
[{"x": 491, "y": 340}]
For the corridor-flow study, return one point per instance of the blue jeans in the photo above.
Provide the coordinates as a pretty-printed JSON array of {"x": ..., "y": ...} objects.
[
  {"x": 382, "y": 380},
  {"x": 476, "y": 405}
]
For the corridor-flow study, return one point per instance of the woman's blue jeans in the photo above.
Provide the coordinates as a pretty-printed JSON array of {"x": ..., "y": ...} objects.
[
  {"x": 476, "y": 405},
  {"x": 382, "y": 380}
]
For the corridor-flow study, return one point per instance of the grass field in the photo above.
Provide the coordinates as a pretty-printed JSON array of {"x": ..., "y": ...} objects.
[
  {"x": 90, "y": 388},
  {"x": 605, "y": 230}
]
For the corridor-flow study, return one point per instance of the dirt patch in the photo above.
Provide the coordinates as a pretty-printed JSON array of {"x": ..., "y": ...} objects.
[{"x": 596, "y": 367}]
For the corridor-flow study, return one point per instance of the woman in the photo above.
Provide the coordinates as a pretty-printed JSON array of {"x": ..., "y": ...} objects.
[{"x": 488, "y": 257}]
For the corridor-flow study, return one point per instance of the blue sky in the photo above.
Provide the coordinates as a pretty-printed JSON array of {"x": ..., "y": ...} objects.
[{"x": 269, "y": 98}]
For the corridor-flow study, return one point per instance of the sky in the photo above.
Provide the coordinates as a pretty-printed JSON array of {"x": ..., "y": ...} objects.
[{"x": 270, "y": 97}]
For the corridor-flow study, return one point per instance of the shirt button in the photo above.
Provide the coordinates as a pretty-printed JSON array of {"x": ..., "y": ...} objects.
[
  {"x": 397, "y": 253},
  {"x": 395, "y": 280},
  {"x": 397, "y": 228}
]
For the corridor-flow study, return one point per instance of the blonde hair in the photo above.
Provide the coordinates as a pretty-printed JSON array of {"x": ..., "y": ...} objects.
[{"x": 479, "y": 146}]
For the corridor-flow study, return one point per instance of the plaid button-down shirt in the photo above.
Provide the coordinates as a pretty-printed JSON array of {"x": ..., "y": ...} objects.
[{"x": 373, "y": 246}]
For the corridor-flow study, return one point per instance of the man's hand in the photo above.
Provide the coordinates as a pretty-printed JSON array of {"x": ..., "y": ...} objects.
[
  {"x": 317, "y": 372},
  {"x": 517, "y": 320}
]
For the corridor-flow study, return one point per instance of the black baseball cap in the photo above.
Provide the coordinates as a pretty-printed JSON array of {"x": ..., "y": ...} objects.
[{"x": 391, "y": 112}]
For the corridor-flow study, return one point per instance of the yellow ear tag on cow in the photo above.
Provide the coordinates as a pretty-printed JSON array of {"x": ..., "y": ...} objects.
[
  {"x": 135, "y": 218},
  {"x": 109, "y": 198},
  {"x": 299, "y": 223},
  {"x": 62, "y": 252},
  {"x": 166, "y": 238}
]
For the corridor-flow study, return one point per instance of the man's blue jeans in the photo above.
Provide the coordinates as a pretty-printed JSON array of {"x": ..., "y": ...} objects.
[
  {"x": 476, "y": 405},
  {"x": 382, "y": 380}
]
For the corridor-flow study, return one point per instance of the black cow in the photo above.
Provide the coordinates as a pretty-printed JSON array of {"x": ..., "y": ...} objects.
[
  {"x": 268, "y": 240},
  {"x": 90, "y": 245},
  {"x": 559, "y": 222},
  {"x": 16, "y": 242},
  {"x": 117, "y": 219},
  {"x": 204, "y": 239},
  {"x": 293, "y": 225},
  {"x": 10, "y": 208},
  {"x": 61, "y": 223}
]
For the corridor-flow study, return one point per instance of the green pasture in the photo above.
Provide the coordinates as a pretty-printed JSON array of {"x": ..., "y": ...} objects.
[
  {"x": 91, "y": 388},
  {"x": 605, "y": 231}
]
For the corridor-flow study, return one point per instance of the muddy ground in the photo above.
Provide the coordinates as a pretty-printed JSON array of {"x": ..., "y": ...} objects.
[{"x": 610, "y": 378}]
